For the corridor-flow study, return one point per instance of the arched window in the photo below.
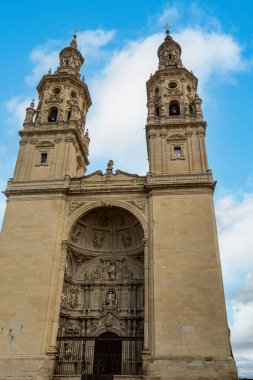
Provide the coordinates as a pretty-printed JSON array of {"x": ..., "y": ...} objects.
[
  {"x": 52, "y": 115},
  {"x": 69, "y": 114},
  {"x": 191, "y": 109},
  {"x": 174, "y": 108},
  {"x": 157, "y": 111}
]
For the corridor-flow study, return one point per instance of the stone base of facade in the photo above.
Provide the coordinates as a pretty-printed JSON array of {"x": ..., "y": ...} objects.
[
  {"x": 194, "y": 368},
  {"x": 26, "y": 368}
]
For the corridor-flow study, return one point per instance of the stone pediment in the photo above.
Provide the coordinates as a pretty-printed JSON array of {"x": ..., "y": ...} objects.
[{"x": 119, "y": 175}]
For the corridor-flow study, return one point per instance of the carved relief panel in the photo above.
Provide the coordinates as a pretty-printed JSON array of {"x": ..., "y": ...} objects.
[{"x": 104, "y": 290}]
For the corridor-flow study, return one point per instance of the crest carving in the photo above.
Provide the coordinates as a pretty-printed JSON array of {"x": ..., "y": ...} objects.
[
  {"x": 74, "y": 205},
  {"x": 140, "y": 204}
]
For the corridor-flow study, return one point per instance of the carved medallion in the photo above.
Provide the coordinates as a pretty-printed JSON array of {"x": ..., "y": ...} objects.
[
  {"x": 98, "y": 239},
  {"x": 109, "y": 319}
]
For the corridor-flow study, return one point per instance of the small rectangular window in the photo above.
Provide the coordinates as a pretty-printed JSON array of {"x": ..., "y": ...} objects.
[
  {"x": 43, "y": 158},
  {"x": 177, "y": 152}
]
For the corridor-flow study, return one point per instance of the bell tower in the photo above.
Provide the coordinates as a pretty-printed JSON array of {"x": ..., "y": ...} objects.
[
  {"x": 189, "y": 335},
  {"x": 54, "y": 142},
  {"x": 174, "y": 109},
  {"x": 53, "y": 150}
]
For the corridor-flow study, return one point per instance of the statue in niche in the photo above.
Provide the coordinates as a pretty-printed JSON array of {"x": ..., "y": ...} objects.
[
  {"x": 96, "y": 274},
  {"x": 111, "y": 300},
  {"x": 75, "y": 234},
  {"x": 109, "y": 318},
  {"x": 124, "y": 270},
  {"x": 112, "y": 270},
  {"x": 98, "y": 239},
  {"x": 73, "y": 302},
  {"x": 126, "y": 239}
]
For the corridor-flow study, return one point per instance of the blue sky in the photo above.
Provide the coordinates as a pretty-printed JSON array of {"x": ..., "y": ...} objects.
[{"x": 119, "y": 41}]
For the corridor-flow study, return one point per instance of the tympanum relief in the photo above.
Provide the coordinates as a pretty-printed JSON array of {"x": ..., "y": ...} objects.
[{"x": 103, "y": 285}]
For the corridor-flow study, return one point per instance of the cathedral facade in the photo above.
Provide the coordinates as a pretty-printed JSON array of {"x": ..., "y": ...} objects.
[{"x": 112, "y": 274}]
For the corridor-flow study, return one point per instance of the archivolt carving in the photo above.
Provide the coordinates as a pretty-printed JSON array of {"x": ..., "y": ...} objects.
[
  {"x": 103, "y": 286},
  {"x": 141, "y": 204},
  {"x": 74, "y": 205}
]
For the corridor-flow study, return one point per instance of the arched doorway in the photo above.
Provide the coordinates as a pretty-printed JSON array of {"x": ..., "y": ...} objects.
[
  {"x": 102, "y": 310},
  {"x": 108, "y": 354}
]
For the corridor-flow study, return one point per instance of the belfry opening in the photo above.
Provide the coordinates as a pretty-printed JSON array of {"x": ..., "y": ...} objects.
[{"x": 102, "y": 307}]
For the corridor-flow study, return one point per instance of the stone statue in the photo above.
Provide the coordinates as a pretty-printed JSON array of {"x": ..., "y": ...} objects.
[
  {"x": 75, "y": 234},
  {"x": 111, "y": 299},
  {"x": 112, "y": 270}
]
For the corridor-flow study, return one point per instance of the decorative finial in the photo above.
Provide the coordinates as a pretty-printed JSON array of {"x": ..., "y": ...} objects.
[
  {"x": 83, "y": 78},
  {"x": 73, "y": 43},
  {"x": 167, "y": 29},
  {"x": 32, "y": 104},
  {"x": 49, "y": 72}
]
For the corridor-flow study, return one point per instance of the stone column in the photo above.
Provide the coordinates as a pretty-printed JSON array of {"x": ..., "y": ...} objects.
[
  {"x": 56, "y": 315},
  {"x": 146, "y": 295}
]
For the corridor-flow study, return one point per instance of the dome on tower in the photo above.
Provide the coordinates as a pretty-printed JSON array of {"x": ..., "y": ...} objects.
[
  {"x": 169, "y": 53},
  {"x": 71, "y": 59}
]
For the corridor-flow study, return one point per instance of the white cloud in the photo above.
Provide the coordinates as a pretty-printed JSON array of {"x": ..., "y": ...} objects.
[
  {"x": 235, "y": 226},
  {"x": 16, "y": 108},
  {"x": 169, "y": 14},
  {"x": 91, "y": 41},
  {"x": 119, "y": 94},
  {"x": 117, "y": 120},
  {"x": 46, "y": 56},
  {"x": 242, "y": 328},
  {"x": 43, "y": 58},
  {"x": 209, "y": 53}
]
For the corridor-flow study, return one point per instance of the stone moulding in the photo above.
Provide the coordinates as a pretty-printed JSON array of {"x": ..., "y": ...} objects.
[
  {"x": 54, "y": 185},
  {"x": 181, "y": 179}
]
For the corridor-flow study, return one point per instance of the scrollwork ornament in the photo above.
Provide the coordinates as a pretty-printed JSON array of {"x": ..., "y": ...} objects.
[
  {"x": 74, "y": 205},
  {"x": 140, "y": 204}
]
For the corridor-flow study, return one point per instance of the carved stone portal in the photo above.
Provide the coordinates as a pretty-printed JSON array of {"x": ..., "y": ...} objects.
[{"x": 103, "y": 287}]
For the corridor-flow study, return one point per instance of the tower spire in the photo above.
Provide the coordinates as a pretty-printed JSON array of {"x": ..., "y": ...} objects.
[{"x": 73, "y": 43}]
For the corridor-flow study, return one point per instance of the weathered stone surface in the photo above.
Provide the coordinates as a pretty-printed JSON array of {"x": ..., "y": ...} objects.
[{"x": 113, "y": 251}]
